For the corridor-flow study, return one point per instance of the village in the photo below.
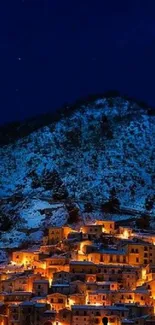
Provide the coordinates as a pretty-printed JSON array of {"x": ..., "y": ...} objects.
[{"x": 79, "y": 276}]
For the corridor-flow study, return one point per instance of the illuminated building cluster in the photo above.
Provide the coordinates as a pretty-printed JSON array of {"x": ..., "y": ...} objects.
[{"x": 79, "y": 276}]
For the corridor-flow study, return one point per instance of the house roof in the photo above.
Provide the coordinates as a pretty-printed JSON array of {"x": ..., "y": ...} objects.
[
  {"x": 111, "y": 251},
  {"x": 27, "y": 303},
  {"x": 41, "y": 281},
  {"x": 127, "y": 321},
  {"x": 51, "y": 311},
  {"x": 80, "y": 307},
  {"x": 56, "y": 294},
  {"x": 100, "y": 291},
  {"x": 60, "y": 272},
  {"x": 81, "y": 263},
  {"x": 60, "y": 285},
  {"x": 117, "y": 266},
  {"x": 54, "y": 257},
  {"x": 40, "y": 305},
  {"x": 19, "y": 293}
]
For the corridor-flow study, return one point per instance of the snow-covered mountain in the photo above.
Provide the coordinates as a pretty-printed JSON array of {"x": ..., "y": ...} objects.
[{"x": 104, "y": 146}]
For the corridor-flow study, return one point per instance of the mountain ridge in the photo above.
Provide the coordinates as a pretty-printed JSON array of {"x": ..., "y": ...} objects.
[
  {"x": 102, "y": 151},
  {"x": 12, "y": 131}
]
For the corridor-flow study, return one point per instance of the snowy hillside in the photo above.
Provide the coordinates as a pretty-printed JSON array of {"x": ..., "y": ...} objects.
[{"x": 107, "y": 144}]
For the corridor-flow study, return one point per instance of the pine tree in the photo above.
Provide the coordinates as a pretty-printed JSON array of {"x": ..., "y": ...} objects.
[
  {"x": 113, "y": 204},
  {"x": 88, "y": 207},
  {"x": 73, "y": 212},
  {"x": 52, "y": 181},
  {"x": 143, "y": 222}
]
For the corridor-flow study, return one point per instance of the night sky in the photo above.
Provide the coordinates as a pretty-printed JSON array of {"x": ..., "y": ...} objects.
[{"x": 56, "y": 51}]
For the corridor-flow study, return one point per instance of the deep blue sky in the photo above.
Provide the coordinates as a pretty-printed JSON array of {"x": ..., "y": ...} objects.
[{"x": 71, "y": 48}]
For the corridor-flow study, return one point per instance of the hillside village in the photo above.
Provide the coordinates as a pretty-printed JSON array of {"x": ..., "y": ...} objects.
[{"x": 78, "y": 276}]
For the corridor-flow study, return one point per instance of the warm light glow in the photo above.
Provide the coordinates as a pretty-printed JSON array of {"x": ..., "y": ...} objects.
[
  {"x": 126, "y": 234},
  {"x": 13, "y": 263},
  {"x": 71, "y": 302},
  {"x": 50, "y": 281},
  {"x": 81, "y": 247},
  {"x": 87, "y": 293},
  {"x": 81, "y": 257},
  {"x": 24, "y": 261},
  {"x": 43, "y": 266},
  {"x": 144, "y": 274}
]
